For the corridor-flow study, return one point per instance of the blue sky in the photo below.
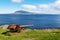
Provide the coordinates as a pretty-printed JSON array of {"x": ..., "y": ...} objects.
[{"x": 37, "y": 6}]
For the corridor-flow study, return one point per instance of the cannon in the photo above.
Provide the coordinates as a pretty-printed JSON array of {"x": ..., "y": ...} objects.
[{"x": 17, "y": 28}]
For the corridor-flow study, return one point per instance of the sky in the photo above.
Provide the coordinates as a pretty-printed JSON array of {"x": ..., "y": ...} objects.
[{"x": 35, "y": 6}]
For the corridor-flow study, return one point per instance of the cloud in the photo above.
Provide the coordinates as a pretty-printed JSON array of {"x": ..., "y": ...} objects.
[
  {"x": 57, "y": 5},
  {"x": 17, "y": 1},
  {"x": 43, "y": 6},
  {"x": 52, "y": 8},
  {"x": 29, "y": 7}
]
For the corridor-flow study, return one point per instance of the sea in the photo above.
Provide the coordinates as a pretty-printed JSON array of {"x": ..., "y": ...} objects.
[{"x": 38, "y": 20}]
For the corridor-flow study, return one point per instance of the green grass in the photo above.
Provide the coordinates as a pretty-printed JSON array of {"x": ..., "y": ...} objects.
[{"x": 32, "y": 35}]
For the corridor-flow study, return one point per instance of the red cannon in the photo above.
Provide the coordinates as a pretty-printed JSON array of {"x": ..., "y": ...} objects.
[{"x": 15, "y": 28}]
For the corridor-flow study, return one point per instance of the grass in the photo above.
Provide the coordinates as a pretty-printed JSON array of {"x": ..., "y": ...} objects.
[
  {"x": 32, "y": 35},
  {"x": 53, "y": 34}
]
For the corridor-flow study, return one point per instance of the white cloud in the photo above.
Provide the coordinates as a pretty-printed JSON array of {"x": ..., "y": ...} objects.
[
  {"x": 17, "y": 1},
  {"x": 57, "y": 4},
  {"x": 53, "y": 8},
  {"x": 43, "y": 6},
  {"x": 29, "y": 7}
]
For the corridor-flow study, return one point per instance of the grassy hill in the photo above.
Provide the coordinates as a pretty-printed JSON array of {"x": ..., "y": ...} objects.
[{"x": 45, "y": 34}]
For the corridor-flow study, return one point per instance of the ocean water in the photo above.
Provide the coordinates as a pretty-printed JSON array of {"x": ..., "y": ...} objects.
[{"x": 38, "y": 20}]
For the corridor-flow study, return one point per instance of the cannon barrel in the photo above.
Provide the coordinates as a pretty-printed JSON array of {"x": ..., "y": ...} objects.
[{"x": 26, "y": 25}]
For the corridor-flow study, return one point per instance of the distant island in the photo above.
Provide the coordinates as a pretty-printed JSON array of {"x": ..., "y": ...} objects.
[{"x": 22, "y": 12}]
